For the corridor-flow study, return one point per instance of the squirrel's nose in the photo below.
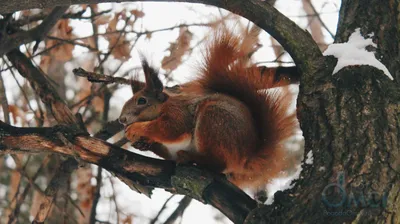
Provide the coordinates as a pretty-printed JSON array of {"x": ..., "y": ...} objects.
[{"x": 122, "y": 120}]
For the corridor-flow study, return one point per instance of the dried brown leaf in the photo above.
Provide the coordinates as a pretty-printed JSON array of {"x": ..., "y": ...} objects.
[
  {"x": 15, "y": 112},
  {"x": 122, "y": 50},
  {"x": 128, "y": 220},
  {"x": 112, "y": 25},
  {"x": 36, "y": 201},
  {"x": 118, "y": 44},
  {"x": 137, "y": 13},
  {"x": 45, "y": 61},
  {"x": 149, "y": 35},
  {"x": 90, "y": 41},
  {"x": 63, "y": 52},
  {"x": 177, "y": 50},
  {"x": 102, "y": 19}
]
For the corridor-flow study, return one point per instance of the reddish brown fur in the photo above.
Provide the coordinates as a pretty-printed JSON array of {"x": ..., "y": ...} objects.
[
  {"x": 225, "y": 71},
  {"x": 235, "y": 128}
]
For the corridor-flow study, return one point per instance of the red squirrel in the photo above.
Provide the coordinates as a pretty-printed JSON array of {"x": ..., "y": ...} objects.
[{"x": 223, "y": 120}]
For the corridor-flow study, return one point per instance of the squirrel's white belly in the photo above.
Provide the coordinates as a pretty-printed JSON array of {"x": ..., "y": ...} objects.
[{"x": 173, "y": 148}]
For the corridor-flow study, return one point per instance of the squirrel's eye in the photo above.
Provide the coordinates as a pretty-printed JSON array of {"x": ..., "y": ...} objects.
[{"x": 141, "y": 101}]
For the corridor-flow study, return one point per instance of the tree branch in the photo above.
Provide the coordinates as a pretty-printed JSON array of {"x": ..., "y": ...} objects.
[
  {"x": 290, "y": 73},
  {"x": 9, "y": 42},
  {"x": 131, "y": 168}
]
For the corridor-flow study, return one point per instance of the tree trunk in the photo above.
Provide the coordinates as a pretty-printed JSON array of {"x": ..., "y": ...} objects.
[{"x": 351, "y": 125}]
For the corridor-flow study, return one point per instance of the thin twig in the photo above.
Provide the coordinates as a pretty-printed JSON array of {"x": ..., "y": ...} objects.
[
  {"x": 96, "y": 198},
  {"x": 114, "y": 198},
  {"x": 68, "y": 41},
  {"x": 96, "y": 77},
  {"x": 183, "y": 204},
  {"x": 154, "y": 220},
  {"x": 41, "y": 16},
  {"x": 320, "y": 20}
]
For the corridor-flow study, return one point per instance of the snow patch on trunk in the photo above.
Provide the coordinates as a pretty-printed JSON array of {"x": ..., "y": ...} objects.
[{"x": 353, "y": 52}]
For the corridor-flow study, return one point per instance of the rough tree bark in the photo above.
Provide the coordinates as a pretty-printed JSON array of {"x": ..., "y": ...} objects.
[{"x": 350, "y": 122}]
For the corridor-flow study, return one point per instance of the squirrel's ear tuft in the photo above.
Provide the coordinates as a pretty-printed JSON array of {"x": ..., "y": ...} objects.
[
  {"x": 152, "y": 81},
  {"x": 137, "y": 85}
]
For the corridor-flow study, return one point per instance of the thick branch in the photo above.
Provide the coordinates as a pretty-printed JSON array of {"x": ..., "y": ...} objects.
[
  {"x": 132, "y": 168},
  {"x": 289, "y": 73},
  {"x": 9, "y": 42}
]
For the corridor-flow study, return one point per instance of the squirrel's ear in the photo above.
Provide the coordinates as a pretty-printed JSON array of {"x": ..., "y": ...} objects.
[{"x": 151, "y": 75}]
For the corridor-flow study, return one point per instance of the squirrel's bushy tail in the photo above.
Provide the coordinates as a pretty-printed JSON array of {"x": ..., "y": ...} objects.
[{"x": 227, "y": 69}]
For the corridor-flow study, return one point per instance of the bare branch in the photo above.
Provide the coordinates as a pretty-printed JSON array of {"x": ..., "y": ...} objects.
[{"x": 92, "y": 219}]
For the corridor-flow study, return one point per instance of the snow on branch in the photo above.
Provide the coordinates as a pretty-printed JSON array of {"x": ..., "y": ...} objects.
[{"x": 353, "y": 52}]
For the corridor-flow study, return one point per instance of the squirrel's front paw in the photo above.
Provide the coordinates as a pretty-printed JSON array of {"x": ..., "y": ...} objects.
[
  {"x": 134, "y": 132},
  {"x": 142, "y": 143}
]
